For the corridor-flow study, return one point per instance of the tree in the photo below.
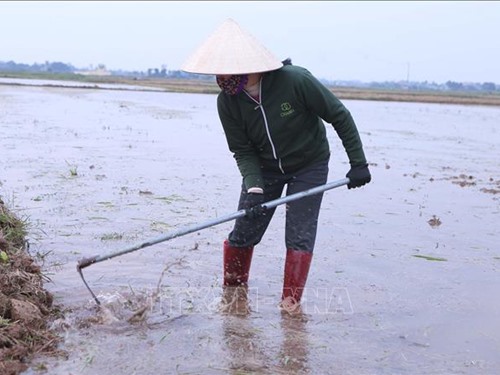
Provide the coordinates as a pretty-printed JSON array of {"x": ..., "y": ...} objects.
[
  {"x": 488, "y": 86},
  {"x": 454, "y": 86}
]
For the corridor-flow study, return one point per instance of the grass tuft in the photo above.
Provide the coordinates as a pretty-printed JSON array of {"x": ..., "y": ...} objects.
[
  {"x": 12, "y": 229},
  {"x": 435, "y": 259}
]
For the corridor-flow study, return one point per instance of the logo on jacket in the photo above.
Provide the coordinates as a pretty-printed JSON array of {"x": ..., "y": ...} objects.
[{"x": 286, "y": 109}]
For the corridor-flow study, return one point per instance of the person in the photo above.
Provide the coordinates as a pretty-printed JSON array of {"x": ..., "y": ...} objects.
[{"x": 272, "y": 114}]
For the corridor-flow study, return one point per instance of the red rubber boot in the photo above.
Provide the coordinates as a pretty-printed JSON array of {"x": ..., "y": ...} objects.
[
  {"x": 297, "y": 265},
  {"x": 237, "y": 262}
]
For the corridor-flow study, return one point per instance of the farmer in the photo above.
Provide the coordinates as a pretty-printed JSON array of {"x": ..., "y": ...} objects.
[{"x": 271, "y": 112}]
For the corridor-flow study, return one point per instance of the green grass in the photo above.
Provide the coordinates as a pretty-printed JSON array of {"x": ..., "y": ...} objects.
[
  {"x": 111, "y": 236},
  {"x": 47, "y": 75},
  {"x": 435, "y": 259},
  {"x": 12, "y": 228}
]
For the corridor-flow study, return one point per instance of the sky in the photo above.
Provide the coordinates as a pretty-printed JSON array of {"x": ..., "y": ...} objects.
[{"x": 365, "y": 41}]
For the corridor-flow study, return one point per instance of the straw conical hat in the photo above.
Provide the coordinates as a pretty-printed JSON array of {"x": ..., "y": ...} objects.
[{"x": 231, "y": 50}]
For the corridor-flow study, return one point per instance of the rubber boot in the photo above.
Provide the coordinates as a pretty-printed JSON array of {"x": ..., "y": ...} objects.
[
  {"x": 297, "y": 265},
  {"x": 236, "y": 264}
]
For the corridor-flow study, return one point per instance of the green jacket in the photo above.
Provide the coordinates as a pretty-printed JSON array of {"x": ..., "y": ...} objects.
[{"x": 285, "y": 131}]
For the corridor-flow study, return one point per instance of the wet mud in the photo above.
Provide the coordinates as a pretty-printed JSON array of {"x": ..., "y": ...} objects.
[{"x": 405, "y": 276}]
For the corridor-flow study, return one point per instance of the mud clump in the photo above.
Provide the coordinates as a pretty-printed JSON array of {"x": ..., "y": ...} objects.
[
  {"x": 434, "y": 222},
  {"x": 464, "y": 180},
  {"x": 26, "y": 307}
]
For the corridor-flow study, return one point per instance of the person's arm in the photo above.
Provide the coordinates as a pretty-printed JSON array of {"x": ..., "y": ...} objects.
[
  {"x": 241, "y": 147},
  {"x": 325, "y": 104},
  {"x": 321, "y": 101}
]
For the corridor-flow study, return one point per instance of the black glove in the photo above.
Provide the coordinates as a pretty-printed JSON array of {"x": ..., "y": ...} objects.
[
  {"x": 358, "y": 176},
  {"x": 253, "y": 205}
]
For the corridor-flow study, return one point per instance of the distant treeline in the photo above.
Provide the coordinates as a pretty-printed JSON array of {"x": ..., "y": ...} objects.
[
  {"x": 485, "y": 87},
  {"x": 58, "y": 67},
  {"x": 65, "y": 68},
  {"x": 46, "y": 67}
]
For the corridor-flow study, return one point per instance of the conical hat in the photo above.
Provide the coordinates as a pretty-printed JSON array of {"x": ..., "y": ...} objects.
[{"x": 231, "y": 50}]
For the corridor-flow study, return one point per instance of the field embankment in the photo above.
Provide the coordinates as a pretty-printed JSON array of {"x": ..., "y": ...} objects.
[
  {"x": 210, "y": 87},
  {"x": 25, "y": 306}
]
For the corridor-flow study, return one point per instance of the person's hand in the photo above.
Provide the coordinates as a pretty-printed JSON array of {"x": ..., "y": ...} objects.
[
  {"x": 358, "y": 176},
  {"x": 253, "y": 205}
]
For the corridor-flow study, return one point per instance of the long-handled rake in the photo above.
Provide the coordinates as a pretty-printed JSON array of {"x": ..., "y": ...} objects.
[{"x": 85, "y": 262}]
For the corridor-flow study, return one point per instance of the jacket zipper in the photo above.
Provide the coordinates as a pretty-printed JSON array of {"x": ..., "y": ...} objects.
[{"x": 259, "y": 105}]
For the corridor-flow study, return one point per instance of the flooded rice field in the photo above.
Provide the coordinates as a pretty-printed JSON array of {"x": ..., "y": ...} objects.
[{"x": 406, "y": 273}]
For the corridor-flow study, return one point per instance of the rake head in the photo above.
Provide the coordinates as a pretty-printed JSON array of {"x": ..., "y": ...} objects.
[{"x": 82, "y": 263}]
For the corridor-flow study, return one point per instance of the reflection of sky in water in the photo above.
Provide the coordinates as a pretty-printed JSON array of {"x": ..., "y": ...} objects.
[{"x": 52, "y": 83}]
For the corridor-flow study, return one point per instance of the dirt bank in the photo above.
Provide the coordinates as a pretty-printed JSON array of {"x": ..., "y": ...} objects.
[{"x": 25, "y": 306}]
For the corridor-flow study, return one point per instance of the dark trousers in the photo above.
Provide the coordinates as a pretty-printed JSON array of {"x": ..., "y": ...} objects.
[{"x": 301, "y": 215}]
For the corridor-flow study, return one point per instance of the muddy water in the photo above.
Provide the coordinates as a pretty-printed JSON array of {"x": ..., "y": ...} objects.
[{"x": 96, "y": 171}]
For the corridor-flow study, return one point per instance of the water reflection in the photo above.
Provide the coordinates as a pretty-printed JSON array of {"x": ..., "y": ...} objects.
[
  {"x": 243, "y": 340},
  {"x": 250, "y": 346},
  {"x": 294, "y": 351}
]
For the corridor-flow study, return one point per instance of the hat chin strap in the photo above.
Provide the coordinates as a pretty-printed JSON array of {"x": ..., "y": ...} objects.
[{"x": 253, "y": 90}]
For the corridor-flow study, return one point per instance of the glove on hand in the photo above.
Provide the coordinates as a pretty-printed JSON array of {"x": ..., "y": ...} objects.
[
  {"x": 358, "y": 176},
  {"x": 253, "y": 205}
]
